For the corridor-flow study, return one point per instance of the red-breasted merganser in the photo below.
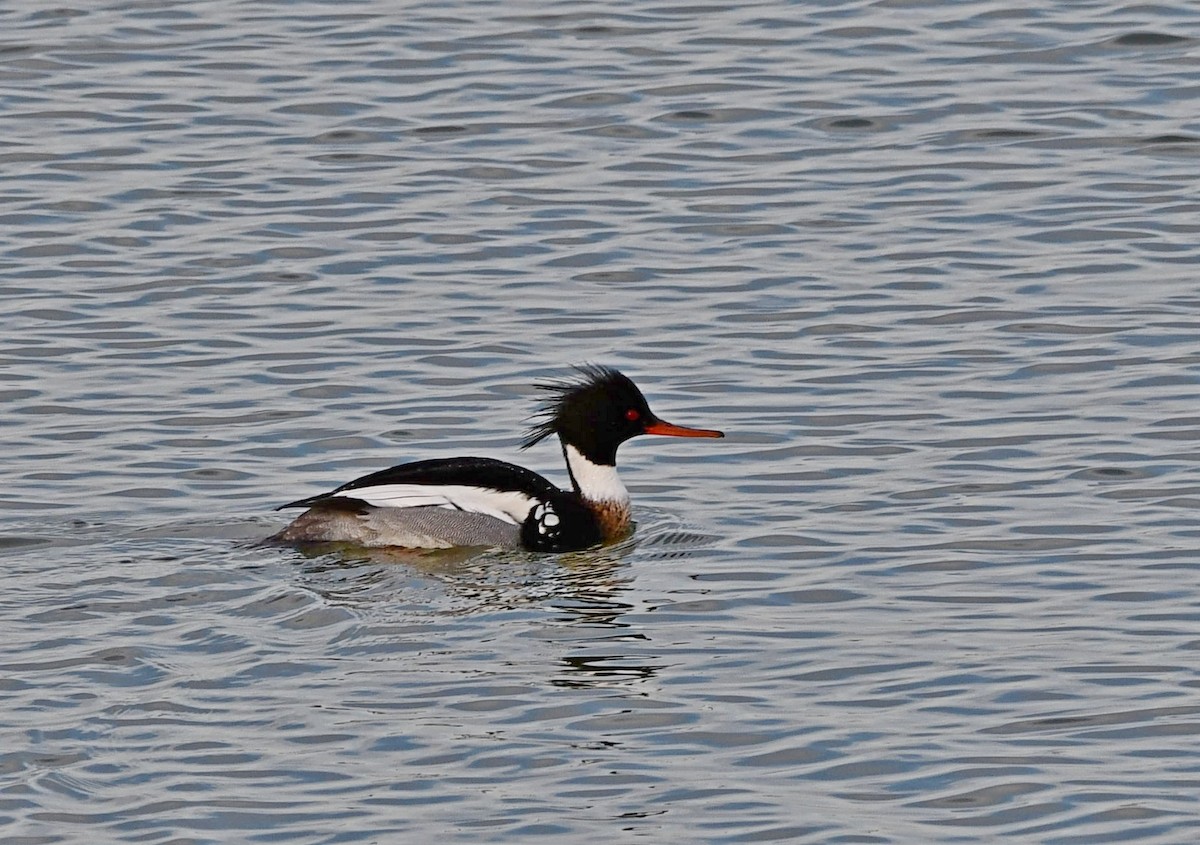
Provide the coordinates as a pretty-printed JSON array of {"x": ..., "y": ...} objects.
[{"x": 442, "y": 503}]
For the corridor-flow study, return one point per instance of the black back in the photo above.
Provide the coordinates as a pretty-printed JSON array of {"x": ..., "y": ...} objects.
[{"x": 485, "y": 473}]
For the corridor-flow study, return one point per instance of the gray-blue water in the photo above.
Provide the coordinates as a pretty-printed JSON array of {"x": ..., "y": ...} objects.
[{"x": 932, "y": 266}]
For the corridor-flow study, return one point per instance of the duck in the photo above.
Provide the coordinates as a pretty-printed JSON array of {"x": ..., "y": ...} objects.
[{"x": 477, "y": 501}]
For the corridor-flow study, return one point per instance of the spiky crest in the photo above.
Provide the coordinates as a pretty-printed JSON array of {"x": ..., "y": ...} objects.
[{"x": 545, "y": 419}]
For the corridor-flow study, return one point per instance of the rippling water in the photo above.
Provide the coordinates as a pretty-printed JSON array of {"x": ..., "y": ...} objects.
[{"x": 932, "y": 266}]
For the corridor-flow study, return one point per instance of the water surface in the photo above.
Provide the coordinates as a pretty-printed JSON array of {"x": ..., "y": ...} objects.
[{"x": 931, "y": 266}]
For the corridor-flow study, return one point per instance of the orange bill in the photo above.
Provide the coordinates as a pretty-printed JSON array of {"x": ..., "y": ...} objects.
[{"x": 670, "y": 430}]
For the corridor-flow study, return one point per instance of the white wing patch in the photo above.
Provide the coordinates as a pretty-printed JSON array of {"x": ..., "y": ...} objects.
[
  {"x": 546, "y": 520},
  {"x": 507, "y": 505}
]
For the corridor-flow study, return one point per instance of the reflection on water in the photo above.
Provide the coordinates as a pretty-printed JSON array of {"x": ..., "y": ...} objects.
[
  {"x": 933, "y": 272},
  {"x": 476, "y": 580}
]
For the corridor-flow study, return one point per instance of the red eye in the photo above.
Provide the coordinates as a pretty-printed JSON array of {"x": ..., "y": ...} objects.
[{"x": 633, "y": 415}]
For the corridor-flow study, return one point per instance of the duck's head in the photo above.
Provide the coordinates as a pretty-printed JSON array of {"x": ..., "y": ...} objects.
[{"x": 598, "y": 411}]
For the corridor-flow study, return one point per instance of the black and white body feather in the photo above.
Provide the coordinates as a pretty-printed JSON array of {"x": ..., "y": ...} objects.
[
  {"x": 443, "y": 503},
  {"x": 485, "y": 502}
]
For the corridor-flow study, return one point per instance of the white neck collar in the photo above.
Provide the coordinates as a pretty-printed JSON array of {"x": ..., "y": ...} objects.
[{"x": 595, "y": 482}]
